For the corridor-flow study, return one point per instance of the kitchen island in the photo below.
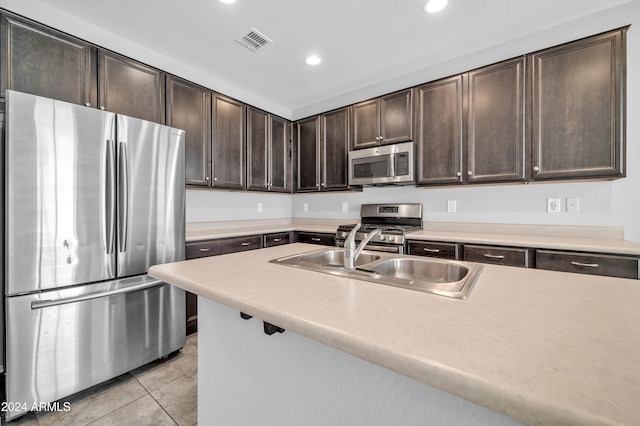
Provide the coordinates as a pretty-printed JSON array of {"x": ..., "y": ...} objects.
[{"x": 536, "y": 346}]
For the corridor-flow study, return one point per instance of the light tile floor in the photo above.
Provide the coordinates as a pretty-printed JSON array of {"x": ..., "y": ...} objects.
[{"x": 163, "y": 392}]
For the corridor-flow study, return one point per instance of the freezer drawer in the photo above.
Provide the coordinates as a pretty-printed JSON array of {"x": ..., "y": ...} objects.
[{"x": 61, "y": 342}]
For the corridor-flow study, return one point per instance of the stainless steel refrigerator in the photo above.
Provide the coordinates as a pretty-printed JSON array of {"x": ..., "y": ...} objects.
[{"x": 92, "y": 200}]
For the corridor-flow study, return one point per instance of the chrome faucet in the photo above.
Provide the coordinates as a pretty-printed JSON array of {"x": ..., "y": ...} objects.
[{"x": 351, "y": 252}]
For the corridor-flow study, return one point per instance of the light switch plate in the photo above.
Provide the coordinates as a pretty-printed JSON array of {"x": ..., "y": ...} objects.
[
  {"x": 451, "y": 206},
  {"x": 573, "y": 205}
]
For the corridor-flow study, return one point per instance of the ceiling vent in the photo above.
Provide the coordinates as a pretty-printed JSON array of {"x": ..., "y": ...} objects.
[{"x": 254, "y": 40}]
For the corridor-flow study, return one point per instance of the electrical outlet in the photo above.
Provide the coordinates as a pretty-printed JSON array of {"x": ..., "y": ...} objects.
[
  {"x": 573, "y": 205},
  {"x": 553, "y": 205},
  {"x": 451, "y": 206},
  {"x": 259, "y": 207},
  {"x": 345, "y": 207},
  {"x": 305, "y": 207}
]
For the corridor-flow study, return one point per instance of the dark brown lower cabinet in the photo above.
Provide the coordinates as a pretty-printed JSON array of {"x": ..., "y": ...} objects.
[
  {"x": 440, "y": 250},
  {"x": 588, "y": 263},
  {"x": 206, "y": 248},
  {"x": 277, "y": 239},
  {"x": 316, "y": 238},
  {"x": 506, "y": 256}
]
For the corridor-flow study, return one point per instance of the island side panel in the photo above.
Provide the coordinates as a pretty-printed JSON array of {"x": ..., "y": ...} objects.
[{"x": 247, "y": 377}]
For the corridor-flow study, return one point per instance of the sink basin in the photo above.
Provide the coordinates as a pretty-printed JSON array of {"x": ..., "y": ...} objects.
[
  {"x": 449, "y": 278},
  {"x": 423, "y": 269},
  {"x": 336, "y": 258}
]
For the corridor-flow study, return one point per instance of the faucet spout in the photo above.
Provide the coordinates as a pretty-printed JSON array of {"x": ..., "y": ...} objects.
[{"x": 351, "y": 250}]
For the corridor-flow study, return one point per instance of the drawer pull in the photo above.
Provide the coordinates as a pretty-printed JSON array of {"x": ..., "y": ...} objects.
[
  {"x": 246, "y": 244},
  {"x": 315, "y": 239},
  {"x": 275, "y": 240},
  {"x": 205, "y": 249},
  {"x": 586, "y": 265},
  {"x": 493, "y": 256},
  {"x": 431, "y": 250}
]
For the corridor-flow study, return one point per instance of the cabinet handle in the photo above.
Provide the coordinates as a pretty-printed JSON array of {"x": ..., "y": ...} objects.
[
  {"x": 315, "y": 239},
  {"x": 470, "y": 173},
  {"x": 205, "y": 249},
  {"x": 493, "y": 256},
  {"x": 102, "y": 108},
  {"x": 87, "y": 104},
  {"x": 275, "y": 240},
  {"x": 459, "y": 174},
  {"x": 206, "y": 178},
  {"x": 215, "y": 179},
  {"x": 323, "y": 185},
  {"x": 586, "y": 265},
  {"x": 536, "y": 168},
  {"x": 430, "y": 250},
  {"x": 246, "y": 244}
]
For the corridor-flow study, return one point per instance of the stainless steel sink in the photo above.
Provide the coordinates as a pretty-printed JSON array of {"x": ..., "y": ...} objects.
[
  {"x": 444, "y": 277},
  {"x": 335, "y": 257}
]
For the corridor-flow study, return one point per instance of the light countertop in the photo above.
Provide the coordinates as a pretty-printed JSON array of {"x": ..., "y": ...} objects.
[
  {"x": 599, "y": 240},
  {"x": 542, "y": 347}
]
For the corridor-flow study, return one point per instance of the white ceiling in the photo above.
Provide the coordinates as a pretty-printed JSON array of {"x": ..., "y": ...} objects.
[{"x": 369, "y": 47}]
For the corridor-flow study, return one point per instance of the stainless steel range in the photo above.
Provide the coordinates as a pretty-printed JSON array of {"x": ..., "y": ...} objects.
[{"x": 394, "y": 220}]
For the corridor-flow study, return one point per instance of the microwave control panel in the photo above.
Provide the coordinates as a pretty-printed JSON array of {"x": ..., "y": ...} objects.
[{"x": 401, "y": 164}]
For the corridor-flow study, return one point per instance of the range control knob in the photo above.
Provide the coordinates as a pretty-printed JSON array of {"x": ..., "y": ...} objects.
[{"x": 382, "y": 237}]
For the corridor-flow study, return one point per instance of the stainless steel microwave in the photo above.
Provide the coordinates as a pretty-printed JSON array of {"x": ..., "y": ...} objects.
[{"x": 386, "y": 164}]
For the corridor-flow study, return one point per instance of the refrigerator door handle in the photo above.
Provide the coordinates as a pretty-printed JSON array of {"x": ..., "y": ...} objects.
[
  {"x": 40, "y": 304},
  {"x": 110, "y": 197},
  {"x": 123, "y": 201}
]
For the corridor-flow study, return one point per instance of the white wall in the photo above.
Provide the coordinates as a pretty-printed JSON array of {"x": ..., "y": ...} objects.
[{"x": 206, "y": 206}]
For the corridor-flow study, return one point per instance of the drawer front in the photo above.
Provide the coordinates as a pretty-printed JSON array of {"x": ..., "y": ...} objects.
[
  {"x": 587, "y": 263},
  {"x": 505, "y": 256},
  {"x": 434, "y": 249},
  {"x": 223, "y": 246},
  {"x": 316, "y": 238},
  {"x": 278, "y": 239}
]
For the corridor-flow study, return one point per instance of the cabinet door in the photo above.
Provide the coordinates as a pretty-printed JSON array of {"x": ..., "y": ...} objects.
[
  {"x": 366, "y": 128},
  {"x": 308, "y": 154},
  {"x": 189, "y": 109},
  {"x": 439, "y": 132},
  {"x": 130, "y": 88},
  {"x": 43, "y": 62},
  {"x": 228, "y": 143},
  {"x": 335, "y": 149},
  {"x": 495, "y": 123},
  {"x": 578, "y": 108},
  {"x": 396, "y": 117},
  {"x": 278, "y": 154},
  {"x": 257, "y": 149}
]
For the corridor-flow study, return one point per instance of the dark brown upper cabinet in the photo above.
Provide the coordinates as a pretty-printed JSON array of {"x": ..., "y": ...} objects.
[
  {"x": 383, "y": 120},
  {"x": 189, "y": 108},
  {"x": 470, "y": 127},
  {"x": 439, "y": 132},
  {"x": 267, "y": 151},
  {"x": 323, "y": 145},
  {"x": 496, "y": 142},
  {"x": 44, "y": 62},
  {"x": 229, "y": 151},
  {"x": 130, "y": 88},
  {"x": 579, "y": 108}
]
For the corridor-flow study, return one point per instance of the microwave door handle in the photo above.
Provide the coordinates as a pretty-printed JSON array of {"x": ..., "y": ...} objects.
[{"x": 392, "y": 166}]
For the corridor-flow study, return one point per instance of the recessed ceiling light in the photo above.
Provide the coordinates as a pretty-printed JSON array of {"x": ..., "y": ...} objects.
[
  {"x": 313, "y": 60},
  {"x": 433, "y": 6},
  {"x": 226, "y": 2}
]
